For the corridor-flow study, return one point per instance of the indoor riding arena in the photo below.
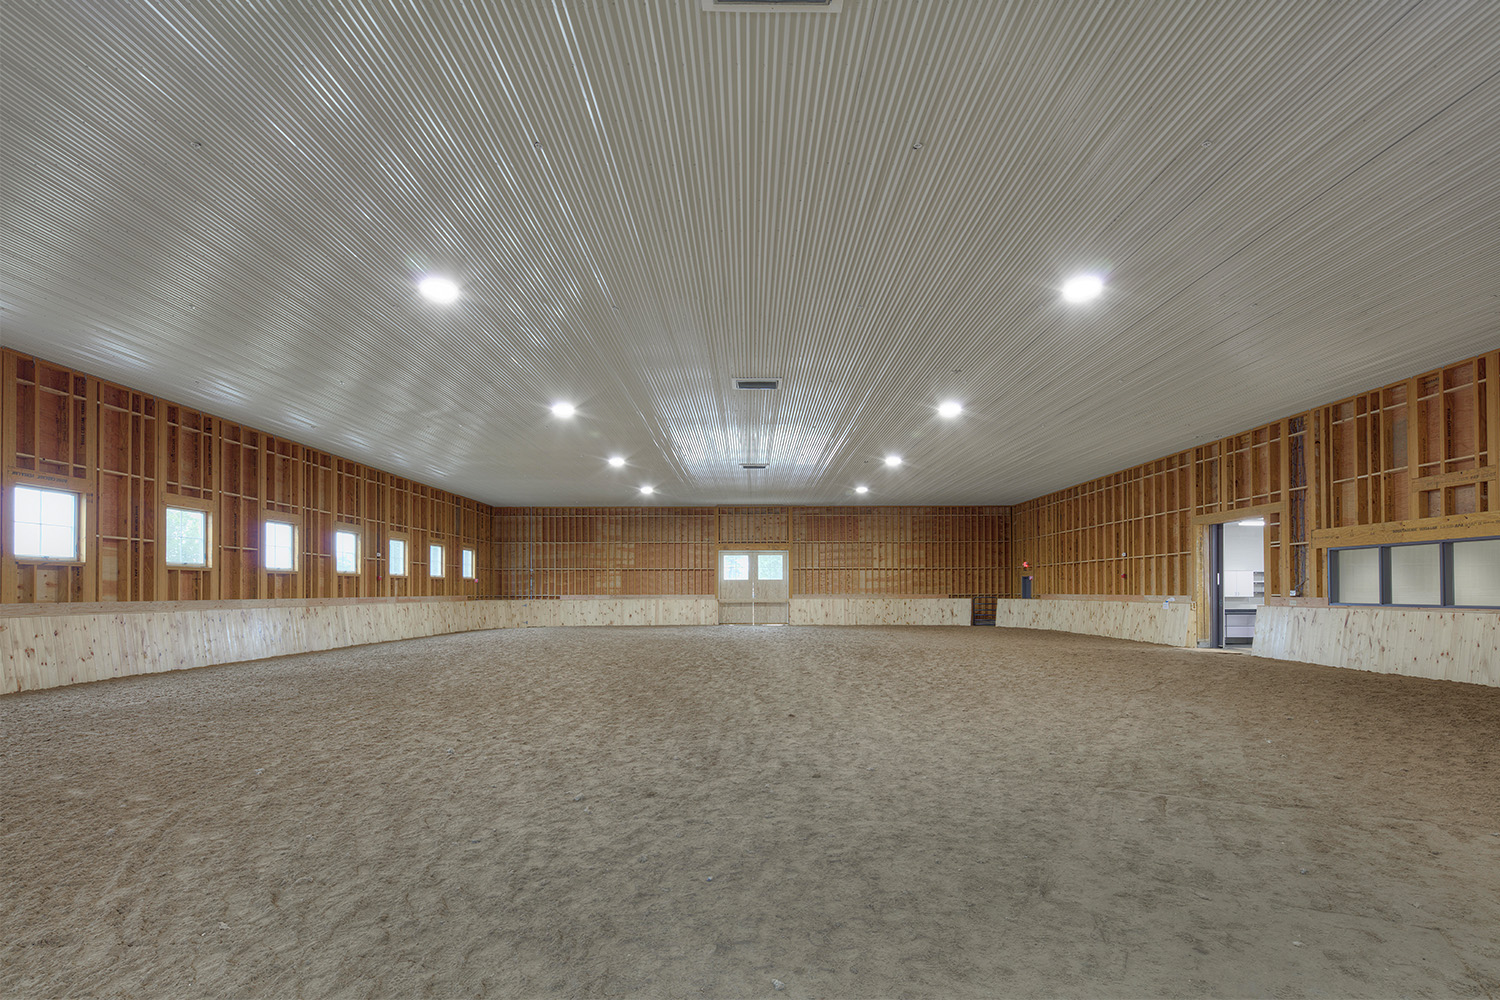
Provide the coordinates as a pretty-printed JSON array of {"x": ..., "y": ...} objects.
[{"x": 741, "y": 498}]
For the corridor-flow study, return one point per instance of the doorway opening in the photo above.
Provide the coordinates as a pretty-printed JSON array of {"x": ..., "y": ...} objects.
[
  {"x": 754, "y": 588},
  {"x": 1239, "y": 559}
]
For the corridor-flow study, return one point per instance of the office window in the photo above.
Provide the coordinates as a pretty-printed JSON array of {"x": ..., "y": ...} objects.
[
  {"x": 1463, "y": 573},
  {"x": 280, "y": 555},
  {"x": 187, "y": 537},
  {"x": 435, "y": 561},
  {"x": 468, "y": 558},
  {"x": 345, "y": 552},
  {"x": 1476, "y": 573},
  {"x": 397, "y": 560},
  {"x": 1417, "y": 574},
  {"x": 45, "y": 524},
  {"x": 1356, "y": 575}
]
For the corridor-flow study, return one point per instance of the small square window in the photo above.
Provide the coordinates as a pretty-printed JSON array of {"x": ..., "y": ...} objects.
[
  {"x": 435, "y": 561},
  {"x": 1417, "y": 574},
  {"x": 736, "y": 567},
  {"x": 345, "y": 552},
  {"x": 187, "y": 537},
  {"x": 397, "y": 561},
  {"x": 280, "y": 554},
  {"x": 468, "y": 557},
  {"x": 769, "y": 566},
  {"x": 1356, "y": 573},
  {"x": 45, "y": 524},
  {"x": 1476, "y": 573}
]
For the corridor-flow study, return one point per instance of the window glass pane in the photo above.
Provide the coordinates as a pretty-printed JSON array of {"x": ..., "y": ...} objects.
[
  {"x": 398, "y": 557},
  {"x": 468, "y": 564},
  {"x": 28, "y": 505},
  {"x": 1476, "y": 573},
  {"x": 736, "y": 567},
  {"x": 187, "y": 537},
  {"x": 45, "y": 523},
  {"x": 59, "y": 509},
  {"x": 768, "y": 566},
  {"x": 434, "y": 560},
  {"x": 345, "y": 552},
  {"x": 57, "y": 543},
  {"x": 279, "y": 546},
  {"x": 1358, "y": 574},
  {"x": 1416, "y": 574},
  {"x": 28, "y": 539}
]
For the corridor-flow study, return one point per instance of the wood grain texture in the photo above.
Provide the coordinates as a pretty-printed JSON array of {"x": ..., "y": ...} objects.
[
  {"x": 853, "y": 610},
  {"x": 1138, "y": 620},
  {"x": 1442, "y": 645}
]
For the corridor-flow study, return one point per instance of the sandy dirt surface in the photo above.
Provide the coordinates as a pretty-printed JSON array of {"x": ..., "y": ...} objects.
[{"x": 752, "y": 812}]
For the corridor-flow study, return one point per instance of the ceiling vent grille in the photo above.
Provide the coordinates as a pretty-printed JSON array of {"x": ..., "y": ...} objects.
[
  {"x": 757, "y": 383},
  {"x": 775, "y": 6},
  {"x": 754, "y": 465}
]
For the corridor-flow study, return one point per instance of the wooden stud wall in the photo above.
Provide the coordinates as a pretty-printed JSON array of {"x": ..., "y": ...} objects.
[
  {"x": 900, "y": 551},
  {"x": 605, "y": 551},
  {"x": 131, "y": 455},
  {"x": 890, "y": 551},
  {"x": 1341, "y": 474}
]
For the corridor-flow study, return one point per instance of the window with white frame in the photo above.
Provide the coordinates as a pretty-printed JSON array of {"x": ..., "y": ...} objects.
[
  {"x": 45, "y": 523},
  {"x": 435, "y": 561},
  {"x": 280, "y": 552},
  {"x": 396, "y": 557},
  {"x": 345, "y": 552},
  {"x": 1462, "y": 573},
  {"x": 187, "y": 537},
  {"x": 468, "y": 565}
]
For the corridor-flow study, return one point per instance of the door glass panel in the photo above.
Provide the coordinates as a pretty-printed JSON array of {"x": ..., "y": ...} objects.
[
  {"x": 736, "y": 567},
  {"x": 769, "y": 566}
]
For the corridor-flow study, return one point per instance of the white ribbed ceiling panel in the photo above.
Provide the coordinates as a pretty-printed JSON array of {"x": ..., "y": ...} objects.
[{"x": 228, "y": 204}]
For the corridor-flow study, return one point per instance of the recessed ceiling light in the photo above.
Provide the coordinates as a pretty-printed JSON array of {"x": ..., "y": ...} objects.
[
  {"x": 439, "y": 290},
  {"x": 950, "y": 408},
  {"x": 861, "y": 489},
  {"x": 616, "y": 461},
  {"x": 648, "y": 490},
  {"x": 1082, "y": 288},
  {"x": 563, "y": 410},
  {"x": 893, "y": 460}
]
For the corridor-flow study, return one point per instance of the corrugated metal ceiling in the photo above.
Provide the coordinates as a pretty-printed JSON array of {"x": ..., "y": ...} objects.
[{"x": 228, "y": 204}]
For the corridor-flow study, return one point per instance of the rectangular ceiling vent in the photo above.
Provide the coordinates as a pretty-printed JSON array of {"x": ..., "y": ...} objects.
[
  {"x": 754, "y": 465},
  {"x": 757, "y": 383},
  {"x": 776, "y": 6}
]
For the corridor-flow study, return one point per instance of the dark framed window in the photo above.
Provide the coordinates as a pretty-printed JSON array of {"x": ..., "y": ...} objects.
[{"x": 1463, "y": 573}]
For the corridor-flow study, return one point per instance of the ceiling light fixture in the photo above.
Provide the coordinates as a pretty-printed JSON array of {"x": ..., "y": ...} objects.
[
  {"x": 893, "y": 460},
  {"x": 563, "y": 410},
  {"x": 1082, "y": 288},
  {"x": 861, "y": 489},
  {"x": 950, "y": 409},
  {"x": 438, "y": 289},
  {"x": 648, "y": 490},
  {"x": 616, "y": 461},
  {"x": 1254, "y": 522}
]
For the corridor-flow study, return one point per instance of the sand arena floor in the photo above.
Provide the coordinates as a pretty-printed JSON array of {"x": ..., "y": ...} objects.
[{"x": 710, "y": 812}]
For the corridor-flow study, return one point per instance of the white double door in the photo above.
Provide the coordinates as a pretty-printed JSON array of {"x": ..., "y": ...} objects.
[{"x": 753, "y": 587}]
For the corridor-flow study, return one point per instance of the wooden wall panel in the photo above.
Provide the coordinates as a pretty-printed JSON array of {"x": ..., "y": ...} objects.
[
  {"x": 899, "y": 551},
  {"x": 1424, "y": 451},
  {"x": 605, "y": 551},
  {"x": 131, "y": 455},
  {"x": 887, "y": 551}
]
